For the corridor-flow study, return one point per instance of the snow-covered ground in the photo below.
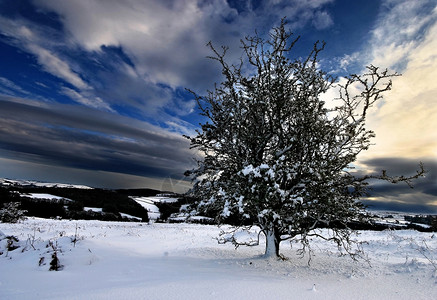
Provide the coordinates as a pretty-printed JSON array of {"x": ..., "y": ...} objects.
[
  {"x": 149, "y": 204},
  {"x": 115, "y": 260},
  {"x": 42, "y": 196}
]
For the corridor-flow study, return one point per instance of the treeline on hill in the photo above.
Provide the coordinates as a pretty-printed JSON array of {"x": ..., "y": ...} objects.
[
  {"x": 114, "y": 202},
  {"x": 111, "y": 202},
  {"x": 168, "y": 210}
]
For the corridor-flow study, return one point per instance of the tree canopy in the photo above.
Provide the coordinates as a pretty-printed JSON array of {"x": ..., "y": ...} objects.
[{"x": 275, "y": 154}]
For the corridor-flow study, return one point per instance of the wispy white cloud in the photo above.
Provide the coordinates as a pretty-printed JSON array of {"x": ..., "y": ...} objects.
[
  {"x": 8, "y": 87},
  {"x": 401, "y": 27},
  {"x": 405, "y": 122},
  {"x": 35, "y": 40},
  {"x": 87, "y": 99},
  {"x": 57, "y": 67},
  {"x": 322, "y": 20}
]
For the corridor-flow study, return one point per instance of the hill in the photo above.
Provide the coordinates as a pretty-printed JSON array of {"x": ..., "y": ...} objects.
[
  {"x": 52, "y": 200},
  {"x": 55, "y": 200}
]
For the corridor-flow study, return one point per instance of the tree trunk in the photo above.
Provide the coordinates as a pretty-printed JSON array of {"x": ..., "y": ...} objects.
[{"x": 272, "y": 242}]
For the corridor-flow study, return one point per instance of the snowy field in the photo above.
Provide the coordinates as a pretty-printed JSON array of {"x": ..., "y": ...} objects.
[
  {"x": 149, "y": 204},
  {"x": 115, "y": 260}
]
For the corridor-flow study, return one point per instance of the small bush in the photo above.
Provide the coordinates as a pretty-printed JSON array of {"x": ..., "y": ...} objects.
[
  {"x": 12, "y": 243},
  {"x": 11, "y": 213},
  {"x": 55, "y": 264}
]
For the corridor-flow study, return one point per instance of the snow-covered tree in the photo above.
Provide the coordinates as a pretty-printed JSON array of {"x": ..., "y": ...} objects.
[
  {"x": 11, "y": 213},
  {"x": 274, "y": 154}
]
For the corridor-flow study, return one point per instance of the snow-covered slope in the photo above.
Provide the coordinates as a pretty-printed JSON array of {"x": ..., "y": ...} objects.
[
  {"x": 149, "y": 204},
  {"x": 43, "y": 196},
  {"x": 114, "y": 260}
]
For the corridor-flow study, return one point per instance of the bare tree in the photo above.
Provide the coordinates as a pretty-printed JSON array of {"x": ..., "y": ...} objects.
[{"x": 274, "y": 154}]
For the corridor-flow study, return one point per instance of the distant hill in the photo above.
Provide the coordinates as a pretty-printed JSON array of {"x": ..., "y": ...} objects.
[
  {"x": 42, "y": 199},
  {"x": 53, "y": 200},
  {"x": 138, "y": 192},
  {"x": 33, "y": 183}
]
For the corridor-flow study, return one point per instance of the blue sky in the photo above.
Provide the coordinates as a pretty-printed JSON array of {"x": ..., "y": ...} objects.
[{"x": 93, "y": 92}]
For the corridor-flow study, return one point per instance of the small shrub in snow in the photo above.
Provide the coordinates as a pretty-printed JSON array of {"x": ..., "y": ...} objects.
[
  {"x": 420, "y": 245},
  {"x": 41, "y": 261},
  {"x": 9, "y": 243},
  {"x": 75, "y": 238},
  {"x": 31, "y": 239},
  {"x": 12, "y": 243},
  {"x": 55, "y": 264}
]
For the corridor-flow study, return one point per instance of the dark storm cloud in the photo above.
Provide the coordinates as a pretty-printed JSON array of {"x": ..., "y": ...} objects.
[
  {"x": 398, "y": 166},
  {"x": 80, "y": 137},
  {"x": 401, "y": 207},
  {"x": 405, "y": 167},
  {"x": 384, "y": 194}
]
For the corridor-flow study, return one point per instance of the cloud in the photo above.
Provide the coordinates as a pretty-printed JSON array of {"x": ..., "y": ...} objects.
[
  {"x": 16, "y": 169},
  {"x": 10, "y": 88},
  {"x": 348, "y": 59},
  {"x": 424, "y": 191},
  {"x": 86, "y": 99},
  {"x": 402, "y": 40},
  {"x": 54, "y": 65},
  {"x": 163, "y": 39},
  {"x": 412, "y": 207},
  {"x": 79, "y": 137},
  {"x": 166, "y": 39},
  {"x": 405, "y": 121},
  {"x": 322, "y": 20},
  {"x": 98, "y": 79},
  {"x": 34, "y": 39},
  {"x": 136, "y": 54},
  {"x": 401, "y": 27}
]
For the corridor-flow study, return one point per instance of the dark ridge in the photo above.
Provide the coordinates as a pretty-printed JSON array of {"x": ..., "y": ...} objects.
[{"x": 138, "y": 192}]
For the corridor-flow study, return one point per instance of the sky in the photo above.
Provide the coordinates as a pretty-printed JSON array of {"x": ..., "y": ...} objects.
[{"x": 94, "y": 91}]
